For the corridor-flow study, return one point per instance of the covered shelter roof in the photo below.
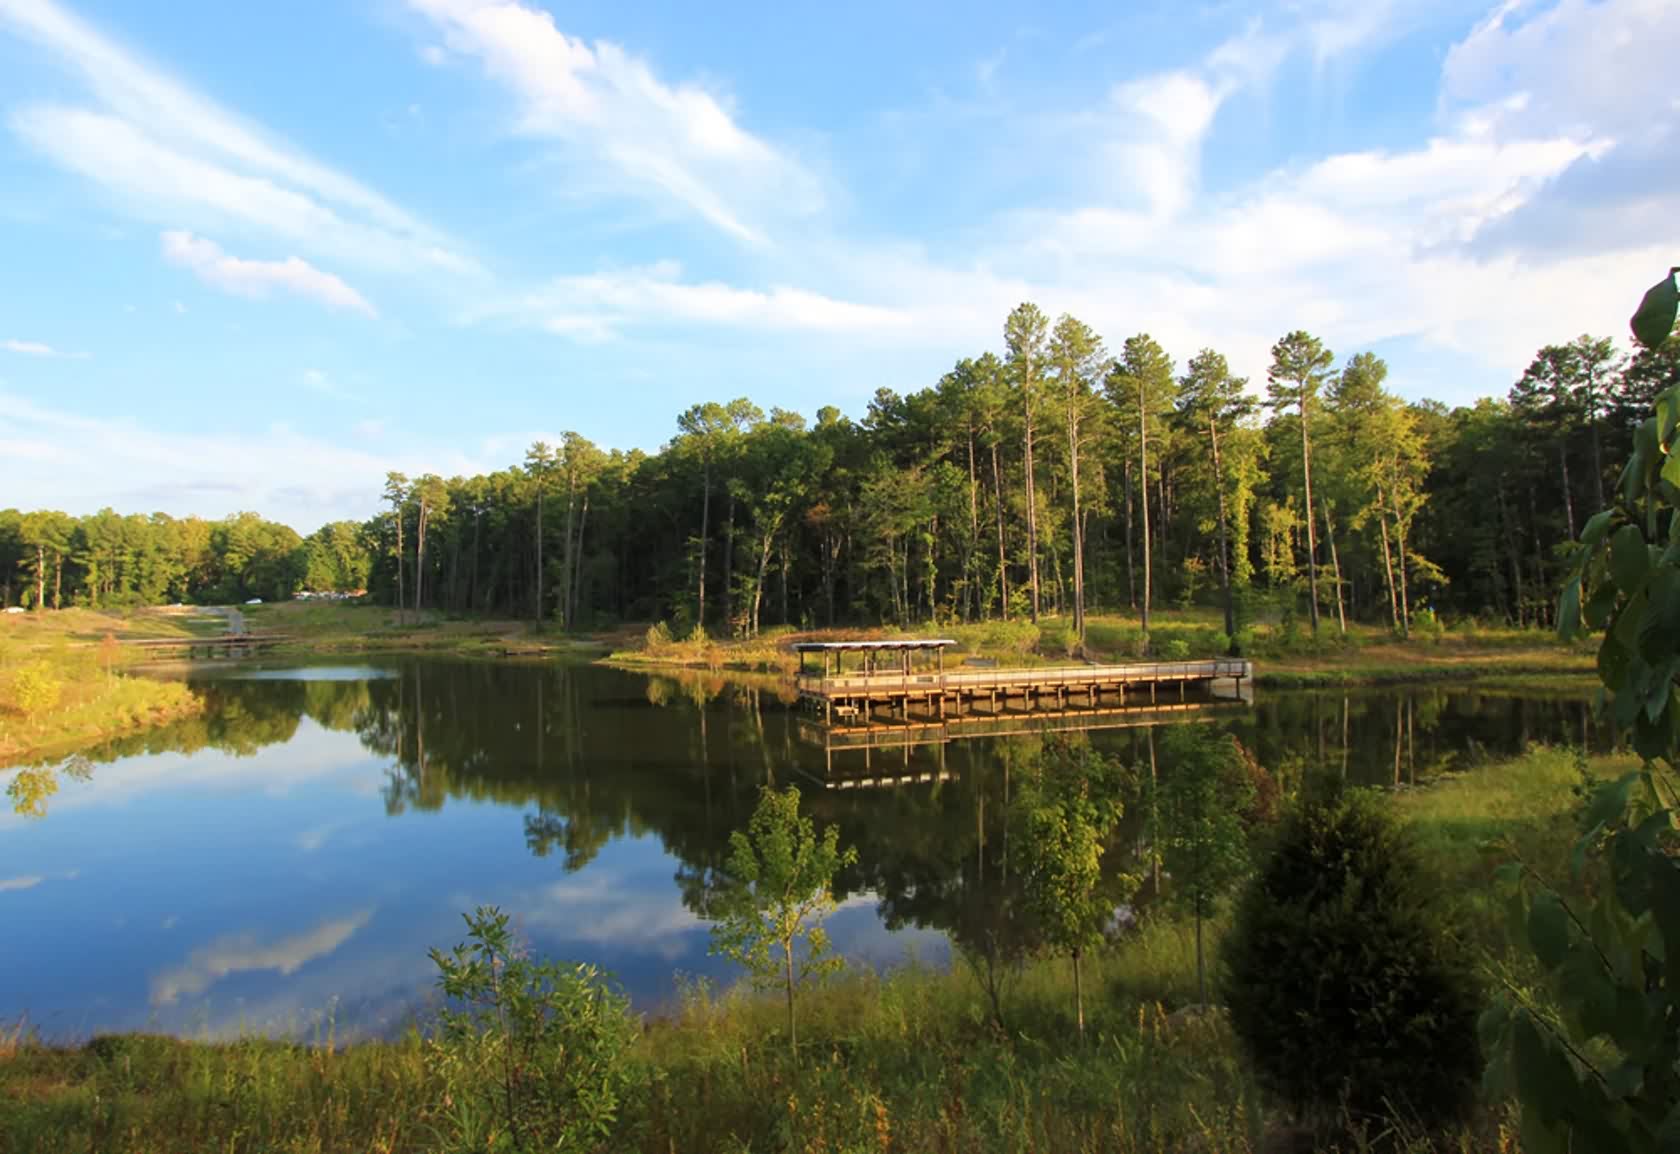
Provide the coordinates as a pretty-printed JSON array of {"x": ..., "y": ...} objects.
[{"x": 889, "y": 646}]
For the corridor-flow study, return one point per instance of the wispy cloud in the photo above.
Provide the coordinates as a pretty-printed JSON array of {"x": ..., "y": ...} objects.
[
  {"x": 39, "y": 349},
  {"x": 166, "y": 151},
  {"x": 677, "y": 144},
  {"x": 245, "y": 953},
  {"x": 599, "y": 306},
  {"x": 258, "y": 278},
  {"x": 27, "y": 881}
]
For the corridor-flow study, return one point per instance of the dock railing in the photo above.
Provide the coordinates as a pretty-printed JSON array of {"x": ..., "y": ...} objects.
[{"x": 1038, "y": 677}]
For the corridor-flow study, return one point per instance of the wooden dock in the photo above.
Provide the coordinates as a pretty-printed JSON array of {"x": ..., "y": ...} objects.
[
  {"x": 220, "y": 645},
  {"x": 945, "y": 695}
]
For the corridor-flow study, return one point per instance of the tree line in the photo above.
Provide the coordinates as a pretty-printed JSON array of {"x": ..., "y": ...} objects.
[{"x": 1049, "y": 476}]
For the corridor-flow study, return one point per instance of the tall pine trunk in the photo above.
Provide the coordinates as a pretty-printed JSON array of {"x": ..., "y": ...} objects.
[
  {"x": 538, "y": 604},
  {"x": 1003, "y": 557},
  {"x": 1312, "y": 539},
  {"x": 705, "y": 536},
  {"x": 1388, "y": 561},
  {"x": 1568, "y": 498},
  {"x": 1078, "y": 526},
  {"x": 400, "y": 558},
  {"x": 1224, "y": 546},
  {"x": 1335, "y": 567},
  {"x": 729, "y": 566},
  {"x": 1405, "y": 601},
  {"x": 577, "y": 564},
  {"x": 1143, "y": 482},
  {"x": 971, "y": 587},
  {"x": 1032, "y": 508}
]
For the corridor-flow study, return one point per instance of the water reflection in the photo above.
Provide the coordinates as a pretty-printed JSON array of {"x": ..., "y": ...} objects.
[{"x": 296, "y": 848}]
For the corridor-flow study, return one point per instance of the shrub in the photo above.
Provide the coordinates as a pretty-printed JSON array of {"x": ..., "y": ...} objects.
[
  {"x": 781, "y": 888},
  {"x": 1344, "y": 975},
  {"x": 35, "y": 690},
  {"x": 1176, "y": 650},
  {"x": 1426, "y": 625},
  {"x": 658, "y": 638},
  {"x": 536, "y": 1052}
]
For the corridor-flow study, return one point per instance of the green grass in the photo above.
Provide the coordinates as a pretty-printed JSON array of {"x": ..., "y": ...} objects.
[
  {"x": 90, "y": 696},
  {"x": 318, "y": 627},
  {"x": 1285, "y": 658},
  {"x": 907, "y": 1061}
]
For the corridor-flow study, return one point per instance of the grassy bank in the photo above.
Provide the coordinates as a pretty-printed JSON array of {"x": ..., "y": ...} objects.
[
  {"x": 66, "y": 680},
  {"x": 1286, "y": 657},
  {"x": 318, "y": 627},
  {"x": 907, "y": 1061}
]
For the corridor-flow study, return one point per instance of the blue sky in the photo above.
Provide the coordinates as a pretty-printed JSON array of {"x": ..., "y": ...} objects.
[{"x": 255, "y": 255}]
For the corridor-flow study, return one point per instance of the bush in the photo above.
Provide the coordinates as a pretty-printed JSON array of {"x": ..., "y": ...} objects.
[
  {"x": 35, "y": 690},
  {"x": 1176, "y": 650},
  {"x": 533, "y": 1053},
  {"x": 1344, "y": 973},
  {"x": 658, "y": 638}
]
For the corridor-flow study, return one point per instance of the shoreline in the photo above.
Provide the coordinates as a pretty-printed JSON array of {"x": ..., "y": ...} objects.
[
  {"x": 1368, "y": 658},
  {"x": 717, "y": 1059}
]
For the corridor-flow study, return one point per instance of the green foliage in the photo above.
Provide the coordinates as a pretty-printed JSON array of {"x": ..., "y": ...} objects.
[
  {"x": 1654, "y": 319},
  {"x": 1345, "y": 974},
  {"x": 1602, "y": 1069},
  {"x": 530, "y": 1055},
  {"x": 1197, "y": 813},
  {"x": 781, "y": 878},
  {"x": 1067, "y": 816},
  {"x": 35, "y": 690},
  {"x": 658, "y": 638}
]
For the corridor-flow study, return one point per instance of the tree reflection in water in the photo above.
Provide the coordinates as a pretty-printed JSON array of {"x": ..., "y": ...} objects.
[{"x": 592, "y": 754}]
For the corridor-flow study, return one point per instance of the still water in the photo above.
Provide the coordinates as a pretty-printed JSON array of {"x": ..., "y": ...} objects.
[{"x": 288, "y": 858}]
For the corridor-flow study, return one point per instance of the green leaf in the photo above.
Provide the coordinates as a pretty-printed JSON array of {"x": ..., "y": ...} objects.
[
  {"x": 1548, "y": 929},
  {"x": 1668, "y": 416},
  {"x": 1654, "y": 319},
  {"x": 1569, "y": 610},
  {"x": 1601, "y": 605},
  {"x": 1629, "y": 559},
  {"x": 1546, "y": 1083},
  {"x": 1596, "y": 527}
]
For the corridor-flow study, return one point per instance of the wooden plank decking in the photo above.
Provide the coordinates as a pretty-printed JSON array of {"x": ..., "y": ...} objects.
[
  {"x": 941, "y": 692},
  {"x": 222, "y": 643}
]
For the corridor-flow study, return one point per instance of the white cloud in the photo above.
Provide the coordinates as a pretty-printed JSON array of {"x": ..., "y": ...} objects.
[
  {"x": 245, "y": 953},
  {"x": 257, "y": 278},
  {"x": 598, "y": 306},
  {"x": 180, "y": 309},
  {"x": 27, "y": 881},
  {"x": 39, "y": 349},
  {"x": 1362, "y": 246},
  {"x": 164, "y": 150},
  {"x": 676, "y": 144}
]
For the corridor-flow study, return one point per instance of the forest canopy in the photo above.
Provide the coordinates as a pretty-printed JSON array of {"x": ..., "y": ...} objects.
[{"x": 1050, "y": 476}]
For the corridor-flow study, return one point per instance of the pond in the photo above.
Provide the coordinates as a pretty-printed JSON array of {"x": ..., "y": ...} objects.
[{"x": 286, "y": 860}]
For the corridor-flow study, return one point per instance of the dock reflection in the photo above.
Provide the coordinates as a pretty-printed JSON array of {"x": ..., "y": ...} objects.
[{"x": 877, "y": 752}]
